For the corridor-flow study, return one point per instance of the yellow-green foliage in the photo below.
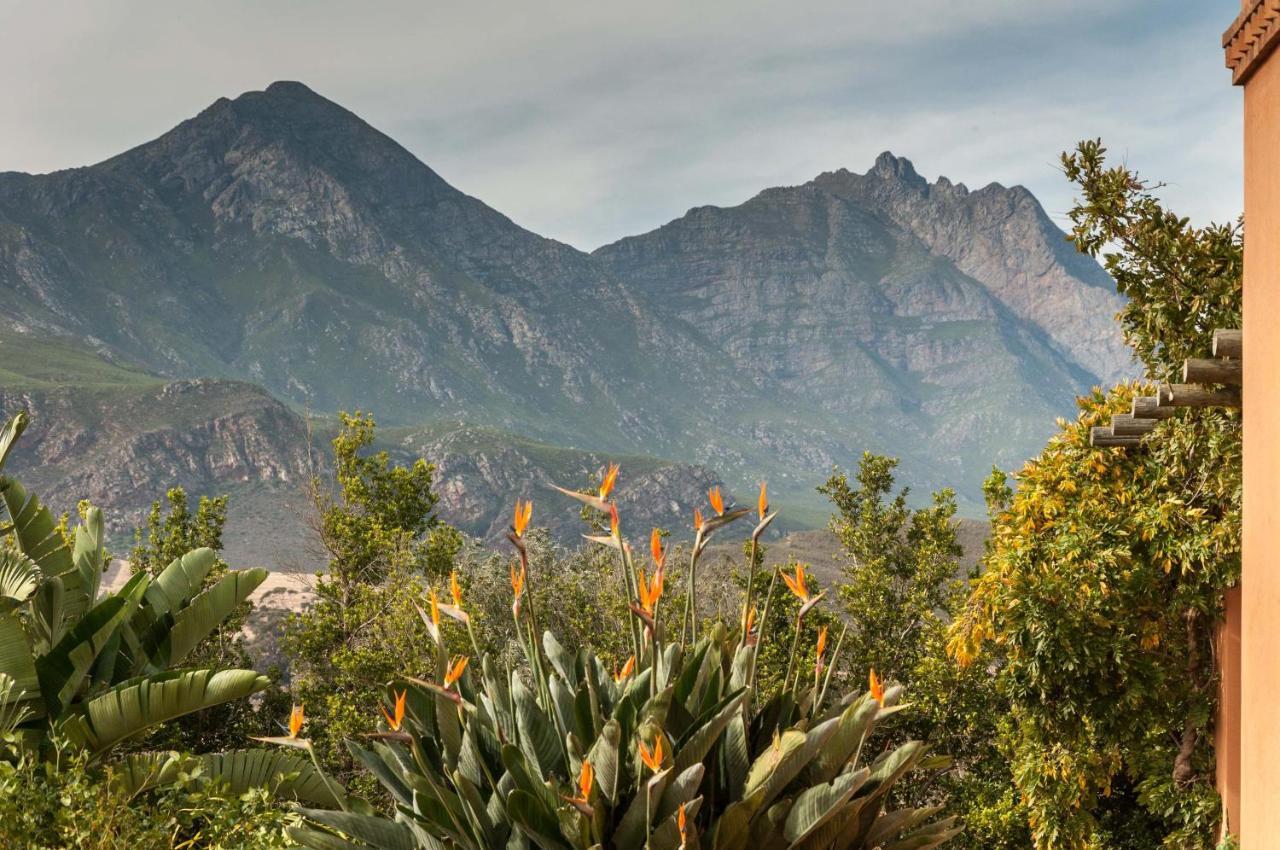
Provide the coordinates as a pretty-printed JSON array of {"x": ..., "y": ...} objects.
[
  {"x": 68, "y": 804},
  {"x": 1105, "y": 575},
  {"x": 1102, "y": 585}
]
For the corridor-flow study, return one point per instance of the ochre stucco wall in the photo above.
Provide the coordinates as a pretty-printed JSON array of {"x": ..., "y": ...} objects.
[{"x": 1259, "y": 825}]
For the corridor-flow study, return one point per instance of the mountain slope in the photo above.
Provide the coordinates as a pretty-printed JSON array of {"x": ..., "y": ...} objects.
[
  {"x": 278, "y": 239},
  {"x": 938, "y": 323}
]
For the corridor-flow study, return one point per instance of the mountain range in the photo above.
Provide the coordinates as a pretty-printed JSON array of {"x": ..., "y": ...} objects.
[{"x": 276, "y": 256}]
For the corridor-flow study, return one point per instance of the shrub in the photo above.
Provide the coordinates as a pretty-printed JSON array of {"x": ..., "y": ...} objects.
[{"x": 70, "y": 803}]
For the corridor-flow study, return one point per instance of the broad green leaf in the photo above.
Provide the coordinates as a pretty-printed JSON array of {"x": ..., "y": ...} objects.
[
  {"x": 133, "y": 707},
  {"x": 179, "y": 582},
  {"x": 604, "y": 759},
  {"x": 286, "y": 776},
  {"x": 16, "y": 660},
  {"x": 10, "y": 433},
  {"x": 706, "y": 730},
  {"x": 64, "y": 667},
  {"x": 374, "y": 831},
  {"x": 815, "y": 806},
  {"x": 537, "y": 822},
  {"x": 209, "y": 609},
  {"x": 19, "y": 578},
  {"x": 538, "y": 738}
]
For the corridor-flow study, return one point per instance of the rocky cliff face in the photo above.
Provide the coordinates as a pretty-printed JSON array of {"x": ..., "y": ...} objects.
[
  {"x": 278, "y": 239},
  {"x": 480, "y": 473},
  {"x": 1002, "y": 238},
  {"x": 123, "y": 448}
]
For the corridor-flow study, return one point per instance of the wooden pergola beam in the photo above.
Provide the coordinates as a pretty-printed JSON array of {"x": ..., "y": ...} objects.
[
  {"x": 1101, "y": 436},
  {"x": 1206, "y": 370},
  {"x": 1145, "y": 407},
  {"x": 1194, "y": 395},
  {"x": 1228, "y": 342},
  {"x": 1127, "y": 425}
]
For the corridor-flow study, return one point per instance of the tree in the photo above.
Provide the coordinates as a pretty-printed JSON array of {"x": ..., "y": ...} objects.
[
  {"x": 1105, "y": 576},
  {"x": 363, "y": 629},
  {"x": 902, "y": 583}
]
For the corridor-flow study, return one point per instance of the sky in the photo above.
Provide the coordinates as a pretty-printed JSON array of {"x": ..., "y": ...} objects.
[{"x": 590, "y": 121}]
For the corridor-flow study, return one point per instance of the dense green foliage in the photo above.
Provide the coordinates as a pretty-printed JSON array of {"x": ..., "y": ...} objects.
[
  {"x": 67, "y": 802},
  {"x": 1105, "y": 577}
]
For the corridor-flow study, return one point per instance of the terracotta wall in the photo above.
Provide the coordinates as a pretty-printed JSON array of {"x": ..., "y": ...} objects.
[{"x": 1259, "y": 756}]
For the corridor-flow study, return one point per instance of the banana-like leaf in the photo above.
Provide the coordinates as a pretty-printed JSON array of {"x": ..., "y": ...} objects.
[
  {"x": 817, "y": 805},
  {"x": 928, "y": 837},
  {"x": 374, "y": 831},
  {"x": 286, "y": 776},
  {"x": 851, "y": 730},
  {"x": 317, "y": 840},
  {"x": 133, "y": 707},
  {"x": 87, "y": 555},
  {"x": 702, "y": 736},
  {"x": 35, "y": 531},
  {"x": 16, "y": 660},
  {"x": 538, "y": 738},
  {"x": 541, "y": 826},
  {"x": 604, "y": 758},
  {"x": 209, "y": 609},
  {"x": 62, "y": 670},
  {"x": 891, "y": 824},
  {"x": 19, "y": 578},
  {"x": 179, "y": 582},
  {"x": 10, "y": 433}
]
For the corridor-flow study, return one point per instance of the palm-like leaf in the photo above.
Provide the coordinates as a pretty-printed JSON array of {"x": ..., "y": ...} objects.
[
  {"x": 196, "y": 621},
  {"x": 10, "y": 433},
  {"x": 19, "y": 578},
  {"x": 287, "y": 776},
  {"x": 133, "y": 707}
]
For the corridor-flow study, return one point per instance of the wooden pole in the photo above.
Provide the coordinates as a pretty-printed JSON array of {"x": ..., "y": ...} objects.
[
  {"x": 1145, "y": 407},
  {"x": 1194, "y": 395},
  {"x": 1125, "y": 425},
  {"x": 1228, "y": 343},
  {"x": 1205, "y": 370},
  {"x": 1101, "y": 437}
]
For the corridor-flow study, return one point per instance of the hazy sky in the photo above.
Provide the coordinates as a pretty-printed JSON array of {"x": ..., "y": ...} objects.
[{"x": 587, "y": 121}]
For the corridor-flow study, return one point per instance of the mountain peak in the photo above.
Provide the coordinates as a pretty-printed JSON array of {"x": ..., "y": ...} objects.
[
  {"x": 893, "y": 167},
  {"x": 290, "y": 88}
]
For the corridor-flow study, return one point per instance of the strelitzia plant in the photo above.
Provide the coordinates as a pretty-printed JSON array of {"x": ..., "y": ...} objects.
[{"x": 667, "y": 751}]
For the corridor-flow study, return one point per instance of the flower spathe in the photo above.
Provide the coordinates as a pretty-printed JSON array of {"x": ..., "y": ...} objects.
[
  {"x": 717, "y": 500},
  {"x": 652, "y": 758},
  {"x": 394, "y": 721},
  {"x": 455, "y": 671},
  {"x": 877, "y": 687},
  {"x": 297, "y": 717},
  {"x": 610, "y": 478},
  {"x": 520, "y": 519}
]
